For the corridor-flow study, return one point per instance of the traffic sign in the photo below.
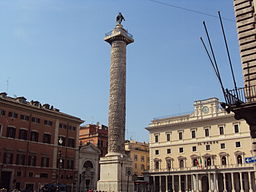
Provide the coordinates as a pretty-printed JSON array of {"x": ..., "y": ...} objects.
[{"x": 250, "y": 160}]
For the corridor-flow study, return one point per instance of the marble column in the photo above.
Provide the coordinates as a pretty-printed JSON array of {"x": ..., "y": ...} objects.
[
  {"x": 209, "y": 181},
  {"x": 166, "y": 183},
  {"x": 224, "y": 182},
  {"x": 250, "y": 184},
  {"x": 232, "y": 182},
  {"x": 197, "y": 183},
  {"x": 241, "y": 182},
  {"x": 215, "y": 183},
  {"x": 173, "y": 182},
  {"x": 179, "y": 183},
  {"x": 116, "y": 165}
]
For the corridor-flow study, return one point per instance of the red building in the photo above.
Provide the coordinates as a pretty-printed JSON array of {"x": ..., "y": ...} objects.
[
  {"x": 96, "y": 134},
  {"x": 38, "y": 145}
]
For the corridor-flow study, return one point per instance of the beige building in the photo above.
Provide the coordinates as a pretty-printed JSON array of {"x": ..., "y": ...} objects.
[
  {"x": 139, "y": 154},
  {"x": 201, "y": 151}
]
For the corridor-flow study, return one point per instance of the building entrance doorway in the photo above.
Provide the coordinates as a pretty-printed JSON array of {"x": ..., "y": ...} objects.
[
  {"x": 5, "y": 179},
  {"x": 205, "y": 184}
]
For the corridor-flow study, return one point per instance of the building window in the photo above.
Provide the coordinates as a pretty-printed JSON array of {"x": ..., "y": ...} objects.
[
  {"x": 43, "y": 175},
  {"x": 156, "y": 138},
  {"x": 142, "y": 167},
  {"x": 195, "y": 162},
  {"x": 168, "y": 151},
  {"x": 181, "y": 163},
  {"x": 236, "y": 128},
  {"x": 11, "y": 132},
  {"x": 23, "y": 134},
  {"x": 168, "y": 137},
  {"x": 135, "y": 157},
  {"x": 24, "y": 117},
  {"x": 208, "y": 147},
  {"x": 18, "y": 173},
  {"x": 194, "y": 148},
  {"x": 12, "y": 115},
  {"x": 221, "y": 129},
  {"x": 70, "y": 164},
  {"x": 180, "y": 136},
  {"x": 238, "y": 144},
  {"x": 208, "y": 161},
  {"x": 8, "y": 157},
  {"x": 206, "y": 132},
  {"x": 71, "y": 142},
  {"x": 44, "y": 162},
  {"x": 2, "y": 112},
  {"x": 63, "y": 139},
  {"x": 223, "y": 160},
  {"x": 35, "y": 120},
  {"x": 142, "y": 159},
  {"x": 181, "y": 150},
  {"x": 157, "y": 152},
  {"x": 47, "y": 122},
  {"x": 135, "y": 165},
  {"x": 32, "y": 160},
  {"x": 34, "y": 136},
  {"x": 30, "y": 174},
  {"x": 239, "y": 159},
  {"x": 20, "y": 159},
  {"x": 193, "y": 134},
  {"x": 157, "y": 164},
  {"x": 47, "y": 138},
  {"x": 222, "y": 146},
  {"x": 168, "y": 164}
]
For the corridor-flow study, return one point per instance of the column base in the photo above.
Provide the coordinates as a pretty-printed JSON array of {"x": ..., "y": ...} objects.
[{"x": 115, "y": 170}]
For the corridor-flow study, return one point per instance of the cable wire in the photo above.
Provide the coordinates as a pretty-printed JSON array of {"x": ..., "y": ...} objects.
[{"x": 189, "y": 10}]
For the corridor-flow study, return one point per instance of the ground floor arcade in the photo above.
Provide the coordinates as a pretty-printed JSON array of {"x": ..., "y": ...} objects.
[{"x": 225, "y": 181}]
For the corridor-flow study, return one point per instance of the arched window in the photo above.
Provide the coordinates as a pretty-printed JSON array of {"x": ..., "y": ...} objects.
[
  {"x": 181, "y": 163},
  {"x": 168, "y": 164},
  {"x": 208, "y": 161},
  {"x": 157, "y": 164},
  {"x": 88, "y": 164},
  {"x": 223, "y": 160},
  {"x": 195, "y": 162},
  {"x": 239, "y": 159}
]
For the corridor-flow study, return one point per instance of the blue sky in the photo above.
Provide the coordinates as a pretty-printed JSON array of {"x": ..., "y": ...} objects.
[{"x": 53, "y": 51}]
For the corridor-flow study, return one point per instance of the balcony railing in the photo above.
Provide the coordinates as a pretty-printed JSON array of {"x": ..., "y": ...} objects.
[
  {"x": 110, "y": 33},
  {"x": 203, "y": 168},
  {"x": 238, "y": 96}
]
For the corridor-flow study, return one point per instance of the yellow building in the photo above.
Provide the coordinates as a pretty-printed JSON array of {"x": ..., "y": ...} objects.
[
  {"x": 201, "y": 151},
  {"x": 139, "y": 154}
]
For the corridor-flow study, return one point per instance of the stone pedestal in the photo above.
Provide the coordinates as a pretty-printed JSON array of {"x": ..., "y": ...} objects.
[{"x": 114, "y": 173}]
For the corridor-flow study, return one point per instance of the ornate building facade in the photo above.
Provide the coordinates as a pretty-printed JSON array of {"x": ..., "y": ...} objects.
[
  {"x": 201, "y": 151},
  {"x": 88, "y": 167},
  {"x": 38, "y": 145}
]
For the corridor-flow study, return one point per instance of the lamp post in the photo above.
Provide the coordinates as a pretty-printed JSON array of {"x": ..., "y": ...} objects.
[
  {"x": 128, "y": 174},
  {"x": 60, "y": 161},
  {"x": 121, "y": 181}
]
